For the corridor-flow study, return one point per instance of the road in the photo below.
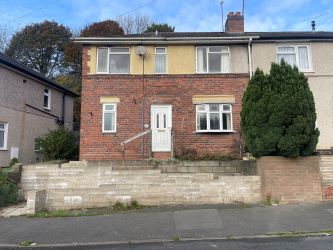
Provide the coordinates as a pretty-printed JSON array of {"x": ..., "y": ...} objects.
[{"x": 302, "y": 243}]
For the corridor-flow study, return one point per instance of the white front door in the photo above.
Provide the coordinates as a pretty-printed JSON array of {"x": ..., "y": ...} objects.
[{"x": 161, "y": 124}]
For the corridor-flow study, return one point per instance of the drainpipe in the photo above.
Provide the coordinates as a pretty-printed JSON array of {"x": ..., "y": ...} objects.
[
  {"x": 143, "y": 105},
  {"x": 63, "y": 109},
  {"x": 250, "y": 56}
]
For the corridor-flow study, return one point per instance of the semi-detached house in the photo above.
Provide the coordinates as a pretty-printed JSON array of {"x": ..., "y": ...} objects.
[{"x": 160, "y": 94}]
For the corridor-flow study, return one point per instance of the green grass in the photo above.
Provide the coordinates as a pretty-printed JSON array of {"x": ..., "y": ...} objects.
[
  {"x": 294, "y": 233},
  {"x": 26, "y": 243},
  {"x": 117, "y": 207},
  {"x": 176, "y": 238}
]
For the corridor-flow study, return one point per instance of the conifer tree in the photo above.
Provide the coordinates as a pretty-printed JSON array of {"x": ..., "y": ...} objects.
[{"x": 278, "y": 113}]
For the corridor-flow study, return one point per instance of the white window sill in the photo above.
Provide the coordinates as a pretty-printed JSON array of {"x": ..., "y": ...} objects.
[
  {"x": 109, "y": 132},
  {"x": 3, "y": 149},
  {"x": 48, "y": 109},
  {"x": 214, "y": 132},
  {"x": 212, "y": 73}
]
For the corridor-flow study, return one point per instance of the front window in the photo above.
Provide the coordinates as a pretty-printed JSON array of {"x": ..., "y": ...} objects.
[
  {"x": 115, "y": 60},
  {"x": 47, "y": 99},
  {"x": 215, "y": 59},
  {"x": 160, "y": 60},
  {"x": 294, "y": 55},
  {"x": 214, "y": 117},
  {"x": 109, "y": 117},
  {"x": 3, "y": 135}
]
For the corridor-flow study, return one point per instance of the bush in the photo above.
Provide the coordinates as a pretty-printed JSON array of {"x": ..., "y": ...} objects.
[
  {"x": 278, "y": 115},
  {"x": 59, "y": 144},
  {"x": 8, "y": 190}
]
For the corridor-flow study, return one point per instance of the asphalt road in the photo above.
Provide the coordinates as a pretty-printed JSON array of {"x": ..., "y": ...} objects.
[{"x": 302, "y": 243}]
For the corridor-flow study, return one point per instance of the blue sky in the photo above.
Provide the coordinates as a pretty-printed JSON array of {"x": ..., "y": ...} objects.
[{"x": 185, "y": 15}]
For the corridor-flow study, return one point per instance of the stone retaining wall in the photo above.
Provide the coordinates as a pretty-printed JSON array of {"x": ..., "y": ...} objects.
[
  {"x": 82, "y": 185},
  {"x": 290, "y": 180}
]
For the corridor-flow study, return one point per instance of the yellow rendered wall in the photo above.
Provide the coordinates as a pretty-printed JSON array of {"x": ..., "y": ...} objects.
[{"x": 181, "y": 59}]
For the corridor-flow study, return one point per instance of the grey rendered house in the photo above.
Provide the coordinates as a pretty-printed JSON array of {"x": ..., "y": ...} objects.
[
  {"x": 312, "y": 53},
  {"x": 30, "y": 106}
]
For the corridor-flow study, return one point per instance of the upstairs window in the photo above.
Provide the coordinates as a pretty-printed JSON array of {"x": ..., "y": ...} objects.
[
  {"x": 115, "y": 60},
  {"x": 160, "y": 60},
  {"x": 47, "y": 99},
  {"x": 297, "y": 55},
  {"x": 3, "y": 135},
  {"x": 214, "y": 117},
  {"x": 214, "y": 59},
  {"x": 109, "y": 117}
]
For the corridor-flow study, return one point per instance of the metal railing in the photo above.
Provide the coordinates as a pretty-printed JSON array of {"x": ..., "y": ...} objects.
[{"x": 123, "y": 144}]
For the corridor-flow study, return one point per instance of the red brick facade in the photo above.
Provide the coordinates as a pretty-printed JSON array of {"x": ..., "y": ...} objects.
[
  {"x": 234, "y": 23},
  {"x": 175, "y": 90}
]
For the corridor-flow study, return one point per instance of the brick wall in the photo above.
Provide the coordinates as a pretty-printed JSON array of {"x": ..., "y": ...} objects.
[
  {"x": 290, "y": 180},
  {"x": 326, "y": 169},
  {"x": 81, "y": 185},
  {"x": 176, "y": 90}
]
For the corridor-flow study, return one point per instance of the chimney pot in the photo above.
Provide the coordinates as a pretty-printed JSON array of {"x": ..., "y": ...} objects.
[
  {"x": 238, "y": 13},
  {"x": 231, "y": 14}
]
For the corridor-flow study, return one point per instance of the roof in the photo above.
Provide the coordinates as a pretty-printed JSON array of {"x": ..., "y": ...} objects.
[
  {"x": 197, "y": 37},
  {"x": 10, "y": 62}
]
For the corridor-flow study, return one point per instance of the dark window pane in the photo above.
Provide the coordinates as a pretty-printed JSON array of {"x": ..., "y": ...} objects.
[
  {"x": 2, "y": 139},
  {"x": 46, "y": 101},
  {"x": 2, "y": 126},
  {"x": 202, "y": 121},
  {"x": 215, "y": 121},
  {"x": 226, "y": 121}
]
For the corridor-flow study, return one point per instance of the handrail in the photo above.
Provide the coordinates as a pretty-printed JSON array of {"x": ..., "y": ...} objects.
[{"x": 122, "y": 145}]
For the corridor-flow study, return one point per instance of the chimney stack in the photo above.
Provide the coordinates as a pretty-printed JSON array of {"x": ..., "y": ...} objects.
[{"x": 234, "y": 23}]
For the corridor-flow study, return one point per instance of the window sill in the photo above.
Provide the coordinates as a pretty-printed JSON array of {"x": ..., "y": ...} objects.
[
  {"x": 47, "y": 109},
  {"x": 214, "y": 132},
  {"x": 109, "y": 132},
  {"x": 3, "y": 149}
]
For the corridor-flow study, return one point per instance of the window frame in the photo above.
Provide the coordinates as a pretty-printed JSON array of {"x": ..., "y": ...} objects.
[
  {"x": 48, "y": 98},
  {"x": 207, "y": 112},
  {"x": 296, "y": 46},
  {"x": 5, "y": 139},
  {"x": 207, "y": 59},
  {"x": 115, "y": 118},
  {"x": 108, "y": 59},
  {"x": 166, "y": 60}
]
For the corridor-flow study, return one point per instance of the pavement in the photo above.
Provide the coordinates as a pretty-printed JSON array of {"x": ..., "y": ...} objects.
[{"x": 170, "y": 224}]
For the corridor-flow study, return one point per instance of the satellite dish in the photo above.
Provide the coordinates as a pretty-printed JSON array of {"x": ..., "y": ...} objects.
[{"x": 141, "y": 50}]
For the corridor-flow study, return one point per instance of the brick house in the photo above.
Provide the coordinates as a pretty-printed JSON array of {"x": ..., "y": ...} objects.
[
  {"x": 30, "y": 106},
  {"x": 160, "y": 94}
]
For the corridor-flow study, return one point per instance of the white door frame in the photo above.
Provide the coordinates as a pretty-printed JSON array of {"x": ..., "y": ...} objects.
[{"x": 152, "y": 125}]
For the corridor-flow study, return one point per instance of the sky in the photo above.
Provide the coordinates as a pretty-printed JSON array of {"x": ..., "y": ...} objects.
[{"x": 185, "y": 15}]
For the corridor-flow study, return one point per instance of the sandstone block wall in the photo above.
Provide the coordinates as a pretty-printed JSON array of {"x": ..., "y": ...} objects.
[
  {"x": 81, "y": 185},
  {"x": 290, "y": 180}
]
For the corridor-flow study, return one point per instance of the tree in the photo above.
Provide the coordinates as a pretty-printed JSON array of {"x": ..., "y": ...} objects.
[
  {"x": 102, "y": 29},
  {"x": 162, "y": 27},
  {"x": 4, "y": 38},
  {"x": 136, "y": 24},
  {"x": 278, "y": 114},
  {"x": 41, "y": 47},
  {"x": 60, "y": 144}
]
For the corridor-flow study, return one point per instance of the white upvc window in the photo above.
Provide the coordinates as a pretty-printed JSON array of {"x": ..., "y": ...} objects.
[
  {"x": 109, "y": 118},
  {"x": 214, "y": 118},
  {"x": 298, "y": 55},
  {"x": 47, "y": 99},
  {"x": 160, "y": 60},
  {"x": 3, "y": 135},
  {"x": 113, "y": 60},
  {"x": 213, "y": 59}
]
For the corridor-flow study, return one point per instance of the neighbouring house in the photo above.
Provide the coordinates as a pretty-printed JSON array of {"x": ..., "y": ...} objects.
[
  {"x": 161, "y": 94},
  {"x": 30, "y": 106}
]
